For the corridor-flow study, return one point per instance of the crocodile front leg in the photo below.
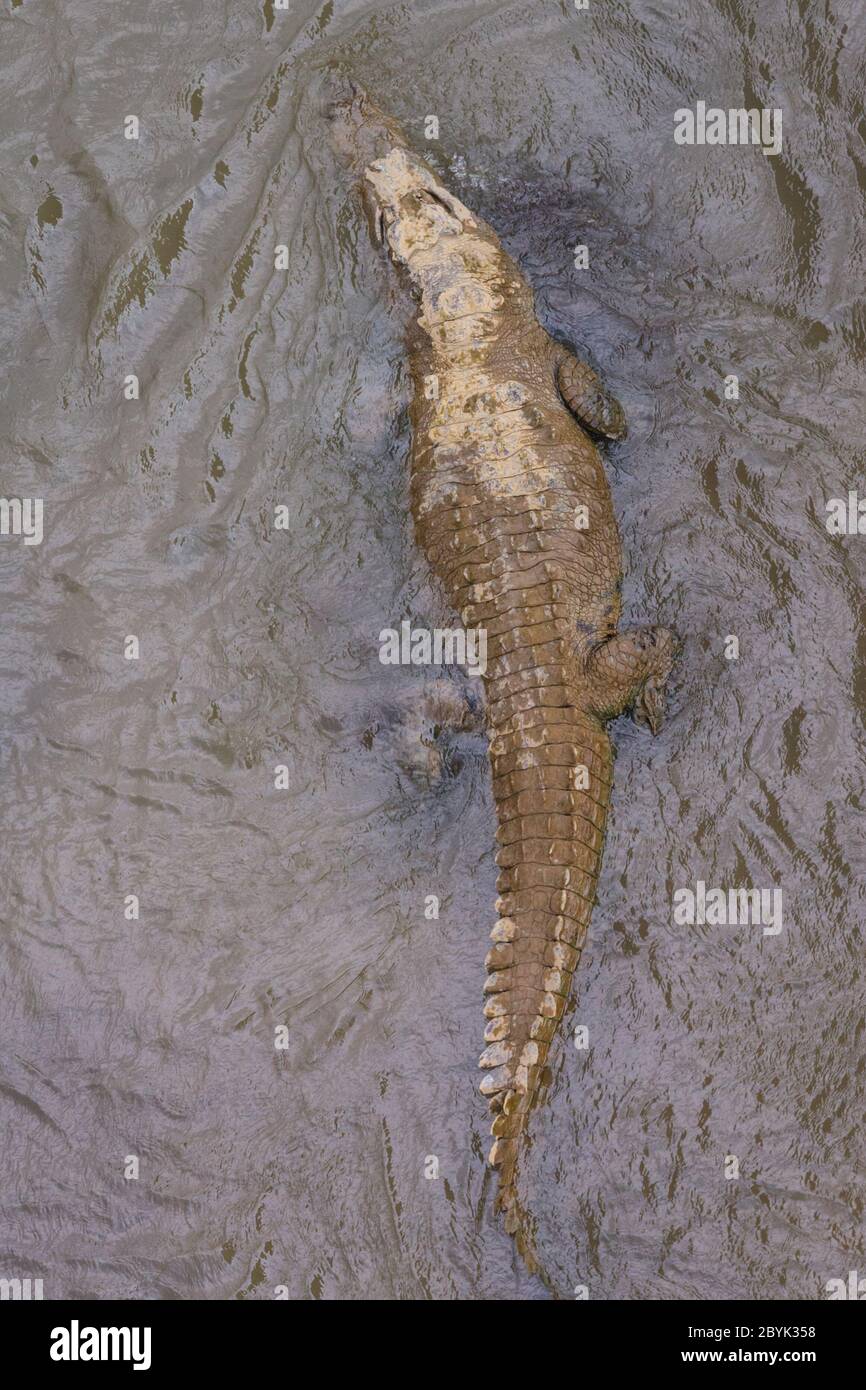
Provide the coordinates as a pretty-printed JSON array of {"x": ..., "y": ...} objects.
[{"x": 587, "y": 397}]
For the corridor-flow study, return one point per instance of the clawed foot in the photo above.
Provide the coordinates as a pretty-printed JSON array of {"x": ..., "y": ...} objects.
[
  {"x": 629, "y": 671},
  {"x": 660, "y": 652}
]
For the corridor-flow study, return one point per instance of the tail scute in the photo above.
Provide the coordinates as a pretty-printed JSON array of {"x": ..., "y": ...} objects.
[{"x": 508, "y": 1129}]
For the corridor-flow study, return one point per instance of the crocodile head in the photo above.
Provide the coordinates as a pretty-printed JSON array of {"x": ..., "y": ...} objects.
[
  {"x": 407, "y": 208},
  {"x": 360, "y": 132}
]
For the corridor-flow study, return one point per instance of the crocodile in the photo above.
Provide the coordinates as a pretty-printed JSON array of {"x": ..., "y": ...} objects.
[{"x": 512, "y": 508}]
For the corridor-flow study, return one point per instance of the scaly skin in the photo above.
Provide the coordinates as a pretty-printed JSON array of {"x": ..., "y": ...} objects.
[{"x": 512, "y": 508}]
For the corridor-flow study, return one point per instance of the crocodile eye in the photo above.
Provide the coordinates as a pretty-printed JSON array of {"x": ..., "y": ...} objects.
[{"x": 434, "y": 198}]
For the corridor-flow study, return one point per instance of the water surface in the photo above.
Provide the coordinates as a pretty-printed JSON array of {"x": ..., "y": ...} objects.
[{"x": 303, "y": 1168}]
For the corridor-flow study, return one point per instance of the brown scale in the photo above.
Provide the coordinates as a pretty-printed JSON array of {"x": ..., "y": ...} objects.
[
  {"x": 515, "y": 639},
  {"x": 542, "y": 825},
  {"x": 448, "y": 558},
  {"x": 577, "y": 806},
  {"x": 517, "y": 663},
  {"x": 558, "y": 754},
  {"x": 447, "y": 524},
  {"x": 515, "y": 733}
]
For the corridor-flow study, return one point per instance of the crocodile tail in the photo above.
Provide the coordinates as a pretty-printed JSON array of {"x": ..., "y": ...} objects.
[{"x": 552, "y": 771}]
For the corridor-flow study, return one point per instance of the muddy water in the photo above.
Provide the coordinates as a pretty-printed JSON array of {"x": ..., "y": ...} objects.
[{"x": 302, "y": 907}]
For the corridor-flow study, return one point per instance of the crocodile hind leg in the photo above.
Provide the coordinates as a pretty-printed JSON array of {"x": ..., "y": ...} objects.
[
  {"x": 586, "y": 397},
  {"x": 454, "y": 702},
  {"x": 629, "y": 671},
  {"x": 429, "y": 723}
]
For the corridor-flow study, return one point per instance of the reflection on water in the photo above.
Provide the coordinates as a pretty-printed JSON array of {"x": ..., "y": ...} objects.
[{"x": 168, "y": 906}]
